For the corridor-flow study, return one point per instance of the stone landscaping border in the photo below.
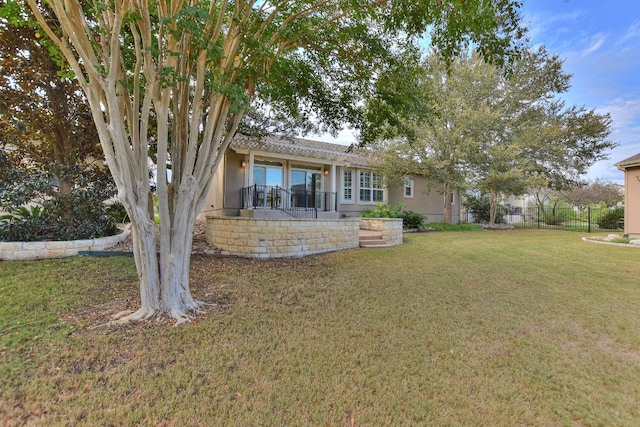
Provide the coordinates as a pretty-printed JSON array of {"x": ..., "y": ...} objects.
[
  {"x": 15, "y": 251},
  {"x": 634, "y": 243}
]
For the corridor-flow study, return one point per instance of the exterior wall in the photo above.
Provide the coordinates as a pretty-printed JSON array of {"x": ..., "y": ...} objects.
[
  {"x": 427, "y": 200},
  {"x": 56, "y": 249},
  {"x": 224, "y": 197},
  {"x": 632, "y": 201},
  {"x": 272, "y": 238},
  {"x": 391, "y": 228}
]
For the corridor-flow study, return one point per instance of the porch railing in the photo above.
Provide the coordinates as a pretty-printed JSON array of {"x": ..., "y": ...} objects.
[{"x": 297, "y": 203}]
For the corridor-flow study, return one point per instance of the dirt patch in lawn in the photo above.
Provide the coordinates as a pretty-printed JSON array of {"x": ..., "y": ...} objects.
[{"x": 213, "y": 280}]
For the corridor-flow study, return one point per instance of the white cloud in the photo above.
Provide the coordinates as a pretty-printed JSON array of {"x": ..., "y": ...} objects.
[
  {"x": 625, "y": 112},
  {"x": 632, "y": 32},
  {"x": 594, "y": 43},
  {"x": 345, "y": 137}
]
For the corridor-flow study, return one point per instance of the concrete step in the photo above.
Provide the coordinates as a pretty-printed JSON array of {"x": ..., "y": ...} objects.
[
  {"x": 375, "y": 244},
  {"x": 372, "y": 239}
]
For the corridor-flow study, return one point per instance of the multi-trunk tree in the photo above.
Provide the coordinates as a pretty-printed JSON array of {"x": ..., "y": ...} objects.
[{"x": 194, "y": 67}]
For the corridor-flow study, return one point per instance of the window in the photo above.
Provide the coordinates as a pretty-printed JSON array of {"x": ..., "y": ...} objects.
[
  {"x": 347, "y": 186},
  {"x": 371, "y": 189},
  {"x": 408, "y": 188}
]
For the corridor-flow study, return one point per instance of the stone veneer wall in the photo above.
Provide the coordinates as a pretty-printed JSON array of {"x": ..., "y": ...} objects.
[
  {"x": 391, "y": 228},
  {"x": 57, "y": 249},
  {"x": 281, "y": 238}
]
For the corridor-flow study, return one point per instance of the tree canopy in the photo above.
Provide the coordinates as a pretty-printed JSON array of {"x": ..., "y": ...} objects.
[
  {"x": 47, "y": 138},
  {"x": 497, "y": 132},
  {"x": 193, "y": 68}
]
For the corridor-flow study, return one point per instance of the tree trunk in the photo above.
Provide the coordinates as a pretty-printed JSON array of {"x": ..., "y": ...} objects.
[
  {"x": 493, "y": 207},
  {"x": 145, "y": 255},
  {"x": 64, "y": 192},
  {"x": 447, "y": 204},
  {"x": 175, "y": 259}
]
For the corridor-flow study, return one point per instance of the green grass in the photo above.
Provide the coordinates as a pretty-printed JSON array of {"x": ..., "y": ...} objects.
[
  {"x": 621, "y": 240},
  {"x": 489, "y": 328},
  {"x": 461, "y": 226}
]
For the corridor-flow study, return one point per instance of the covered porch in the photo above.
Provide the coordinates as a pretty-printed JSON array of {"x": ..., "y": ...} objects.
[{"x": 302, "y": 203}]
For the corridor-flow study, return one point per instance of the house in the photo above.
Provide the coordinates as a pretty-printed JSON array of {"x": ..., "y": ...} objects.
[
  {"x": 280, "y": 177},
  {"x": 631, "y": 169},
  {"x": 275, "y": 197}
]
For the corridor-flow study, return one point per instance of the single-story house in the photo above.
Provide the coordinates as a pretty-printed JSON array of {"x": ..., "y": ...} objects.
[
  {"x": 631, "y": 169},
  {"x": 278, "y": 197},
  {"x": 280, "y": 177}
]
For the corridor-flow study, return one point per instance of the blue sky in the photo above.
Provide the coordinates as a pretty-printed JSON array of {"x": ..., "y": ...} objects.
[{"x": 599, "y": 40}]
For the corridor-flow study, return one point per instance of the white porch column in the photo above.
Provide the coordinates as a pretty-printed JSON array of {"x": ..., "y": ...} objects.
[
  {"x": 334, "y": 179},
  {"x": 249, "y": 174}
]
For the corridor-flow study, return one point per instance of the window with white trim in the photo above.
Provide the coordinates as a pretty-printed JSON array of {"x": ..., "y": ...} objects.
[
  {"x": 347, "y": 185},
  {"x": 408, "y": 188},
  {"x": 371, "y": 187}
]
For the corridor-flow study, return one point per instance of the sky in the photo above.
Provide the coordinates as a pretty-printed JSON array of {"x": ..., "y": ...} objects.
[{"x": 599, "y": 41}]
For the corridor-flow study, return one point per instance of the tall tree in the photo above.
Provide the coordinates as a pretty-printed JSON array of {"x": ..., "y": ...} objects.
[
  {"x": 539, "y": 140},
  {"x": 47, "y": 126},
  {"x": 444, "y": 138},
  {"x": 500, "y": 133},
  {"x": 196, "y": 65}
]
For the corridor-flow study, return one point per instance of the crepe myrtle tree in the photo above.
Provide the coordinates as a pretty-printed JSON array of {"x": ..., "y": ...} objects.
[{"x": 193, "y": 67}]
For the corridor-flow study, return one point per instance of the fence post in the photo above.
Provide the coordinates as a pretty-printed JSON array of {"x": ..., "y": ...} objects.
[
  {"x": 538, "y": 208},
  {"x": 589, "y": 218}
]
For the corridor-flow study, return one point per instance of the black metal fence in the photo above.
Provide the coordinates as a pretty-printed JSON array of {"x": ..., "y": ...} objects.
[
  {"x": 298, "y": 203},
  {"x": 588, "y": 220}
]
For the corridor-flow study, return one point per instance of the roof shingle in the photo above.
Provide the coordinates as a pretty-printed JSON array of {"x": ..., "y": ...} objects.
[
  {"x": 630, "y": 162},
  {"x": 302, "y": 148}
]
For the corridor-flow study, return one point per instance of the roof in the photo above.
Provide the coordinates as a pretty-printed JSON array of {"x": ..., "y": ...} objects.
[
  {"x": 299, "y": 147},
  {"x": 630, "y": 162}
]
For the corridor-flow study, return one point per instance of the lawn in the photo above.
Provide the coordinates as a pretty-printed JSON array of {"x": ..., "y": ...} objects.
[{"x": 501, "y": 328}]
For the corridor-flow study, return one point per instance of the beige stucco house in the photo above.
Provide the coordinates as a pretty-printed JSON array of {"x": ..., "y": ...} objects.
[
  {"x": 631, "y": 169},
  {"x": 277, "y": 177}
]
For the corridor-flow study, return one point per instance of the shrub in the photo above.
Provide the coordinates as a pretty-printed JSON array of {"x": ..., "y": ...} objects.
[
  {"x": 79, "y": 213},
  {"x": 612, "y": 219},
  {"x": 118, "y": 212},
  {"x": 480, "y": 208},
  {"x": 383, "y": 210},
  {"x": 412, "y": 220},
  {"x": 558, "y": 213}
]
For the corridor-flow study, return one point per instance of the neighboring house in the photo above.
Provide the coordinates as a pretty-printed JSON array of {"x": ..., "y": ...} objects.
[
  {"x": 280, "y": 177},
  {"x": 631, "y": 169}
]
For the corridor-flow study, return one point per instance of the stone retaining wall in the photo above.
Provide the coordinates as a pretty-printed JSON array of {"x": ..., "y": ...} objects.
[
  {"x": 281, "y": 238},
  {"x": 391, "y": 228},
  {"x": 57, "y": 249}
]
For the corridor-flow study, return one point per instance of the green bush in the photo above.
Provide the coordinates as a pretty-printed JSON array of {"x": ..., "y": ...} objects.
[
  {"x": 412, "y": 220},
  {"x": 480, "y": 208},
  {"x": 383, "y": 210},
  {"x": 78, "y": 214},
  {"x": 118, "y": 212},
  {"x": 613, "y": 219},
  {"x": 559, "y": 213}
]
